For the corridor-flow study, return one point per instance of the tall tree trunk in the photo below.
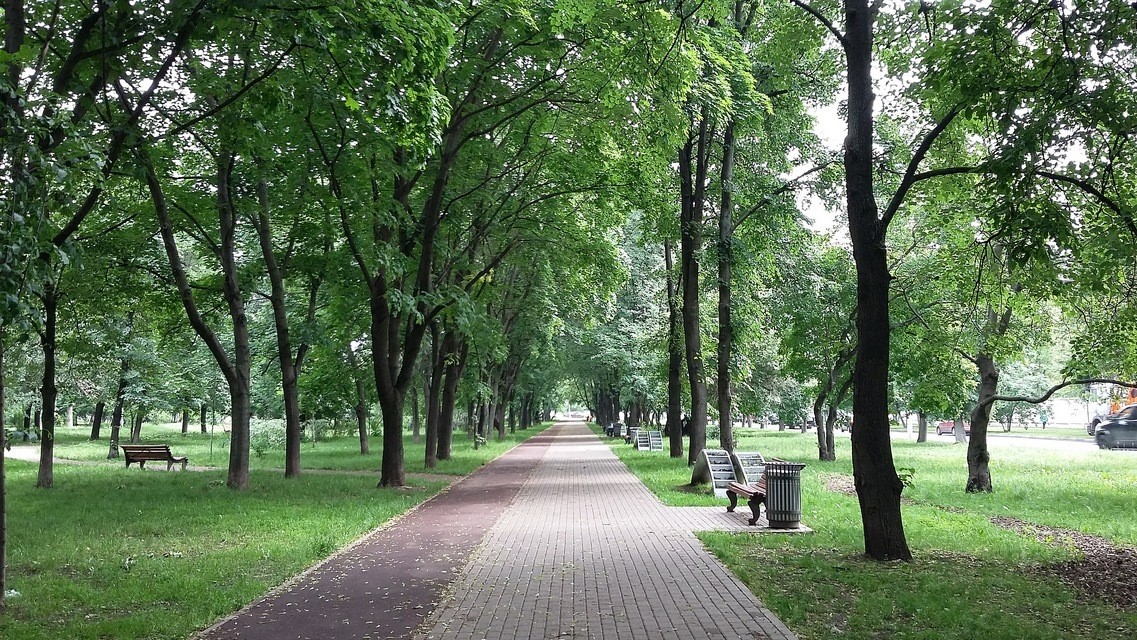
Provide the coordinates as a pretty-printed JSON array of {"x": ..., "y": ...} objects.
[
  {"x": 674, "y": 360},
  {"x": 97, "y": 420},
  {"x": 819, "y": 418},
  {"x": 692, "y": 186},
  {"x": 139, "y": 418},
  {"x": 454, "y": 368},
  {"x": 499, "y": 418},
  {"x": 288, "y": 365},
  {"x": 136, "y": 427},
  {"x": 361, "y": 418},
  {"x": 201, "y": 418},
  {"x": 725, "y": 257},
  {"x": 185, "y": 420},
  {"x": 831, "y": 418},
  {"x": 15, "y": 25},
  {"x": 416, "y": 427},
  {"x": 921, "y": 426},
  {"x": 236, "y": 370},
  {"x": 480, "y": 430},
  {"x": 3, "y": 483},
  {"x": 978, "y": 458},
  {"x": 119, "y": 402},
  {"x": 878, "y": 485},
  {"x": 48, "y": 391},
  {"x": 238, "y": 476},
  {"x": 392, "y": 472},
  {"x": 434, "y": 396},
  {"x": 360, "y": 404}
]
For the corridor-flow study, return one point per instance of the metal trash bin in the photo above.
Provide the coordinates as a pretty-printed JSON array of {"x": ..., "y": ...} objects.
[{"x": 783, "y": 494}]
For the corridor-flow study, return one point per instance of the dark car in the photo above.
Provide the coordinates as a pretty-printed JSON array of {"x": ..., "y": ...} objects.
[
  {"x": 1118, "y": 430},
  {"x": 1092, "y": 427}
]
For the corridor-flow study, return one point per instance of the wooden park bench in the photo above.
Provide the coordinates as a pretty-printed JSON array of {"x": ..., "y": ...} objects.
[
  {"x": 755, "y": 495},
  {"x": 142, "y": 453}
]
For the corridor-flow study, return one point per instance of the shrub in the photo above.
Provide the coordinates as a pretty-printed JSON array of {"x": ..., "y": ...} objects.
[{"x": 265, "y": 435}]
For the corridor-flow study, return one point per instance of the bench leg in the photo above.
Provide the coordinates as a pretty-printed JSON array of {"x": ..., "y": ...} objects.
[
  {"x": 141, "y": 464},
  {"x": 755, "y": 506},
  {"x": 184, "y": 463},
  {"x": 169, "y": 465},
  {"x": 733, "y": 500}
]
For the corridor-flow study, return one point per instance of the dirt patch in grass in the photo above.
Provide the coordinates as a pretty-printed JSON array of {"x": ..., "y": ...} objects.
[
  {"x": 693, "y": 489},
  {"x": 1104, "y": 572},
  {"x": 840, "y": 483}
]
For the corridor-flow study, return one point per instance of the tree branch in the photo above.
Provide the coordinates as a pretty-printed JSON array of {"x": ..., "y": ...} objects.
[
  {"x": 823, "y": 20},
  {"x": 914, "y": 164},
  {"x": 1046, "y": 396}
]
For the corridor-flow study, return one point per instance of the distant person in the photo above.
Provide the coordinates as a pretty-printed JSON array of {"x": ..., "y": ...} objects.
[{"x": 1043, "y": 417}]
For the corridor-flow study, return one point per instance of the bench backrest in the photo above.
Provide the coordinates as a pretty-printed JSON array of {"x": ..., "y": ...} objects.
[{"x": 145, "y": 450}]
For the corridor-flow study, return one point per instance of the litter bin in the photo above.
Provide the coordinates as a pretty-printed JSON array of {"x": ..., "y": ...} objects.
[{"x": 783, "y": 494}]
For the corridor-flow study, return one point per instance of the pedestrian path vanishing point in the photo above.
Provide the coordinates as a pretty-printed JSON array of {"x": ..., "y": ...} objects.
[
  {"x": 555, "y": 539},
  {"x": 586, "y": 551}
]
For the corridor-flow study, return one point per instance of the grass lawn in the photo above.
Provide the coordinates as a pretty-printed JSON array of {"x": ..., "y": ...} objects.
[
  {"x": 970, "y": 578},
  {"x": 338, "y": 453},
  {"x": 117, "y": 553}
]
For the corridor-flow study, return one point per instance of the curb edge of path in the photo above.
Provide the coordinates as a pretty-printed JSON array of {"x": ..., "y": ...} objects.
[{"x": 364, "y": 538}]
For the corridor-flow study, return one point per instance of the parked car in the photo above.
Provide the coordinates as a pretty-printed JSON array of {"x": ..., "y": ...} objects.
[
  {"x": 947, "y": 427},
  {"x": 1118, "y": 430},
  {"x": 1092, "y": 427}
]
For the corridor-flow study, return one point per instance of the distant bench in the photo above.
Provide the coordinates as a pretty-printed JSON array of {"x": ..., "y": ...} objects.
[{"x": 142, "y": 453}]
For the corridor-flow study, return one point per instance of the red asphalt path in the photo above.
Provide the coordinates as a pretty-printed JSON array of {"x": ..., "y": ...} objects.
[{"x": 385, "y": 586}]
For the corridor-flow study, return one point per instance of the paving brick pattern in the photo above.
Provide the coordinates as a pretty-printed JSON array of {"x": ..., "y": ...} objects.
[{"x": 586, "y": 551}]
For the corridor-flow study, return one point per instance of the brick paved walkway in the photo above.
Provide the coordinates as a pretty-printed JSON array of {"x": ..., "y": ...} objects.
[{"x": 586, "y": 551}]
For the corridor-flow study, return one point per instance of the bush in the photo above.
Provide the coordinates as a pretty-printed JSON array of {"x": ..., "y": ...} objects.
[{"x": 265, "y": 435}]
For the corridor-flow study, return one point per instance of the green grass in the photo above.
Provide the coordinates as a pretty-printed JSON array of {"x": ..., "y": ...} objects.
[
  {"x": 117, "y": 553},
  {"x": 1061, "y": 433},
  {"x": 969, "y": 579},
  {"x": 120, "y": 553},
  {"x": 333, "y": 453}
]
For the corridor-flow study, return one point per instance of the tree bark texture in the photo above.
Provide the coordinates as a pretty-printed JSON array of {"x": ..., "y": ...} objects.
[
  {"x": 434, "y": 395},
  {"x": 201, "y": 418},
  {"x": 978, "y": 457},
  {"x": 185, "y": 420},
  {"x": 921, "y": 426},
  {"x": 48, "y": 391},
  {"x": 97, "y": 420},
  {"x": 360, "y": 404},
  {"x": 236, "y": 371},
  {"x": 692, "y": 180},
  {"x": 416, "y": 426},
  {"x": 119, "y": 402},
  {"x": 3, "y": 483},
  {"x": 725, "y": 257},
  {"x": 136, "y": 425},
  {"x": 878, "y": 485},
  {"x": 238, "y": 477},
  {"x": 455, "y": 365},
  {"x": 289, "y": 367}
]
